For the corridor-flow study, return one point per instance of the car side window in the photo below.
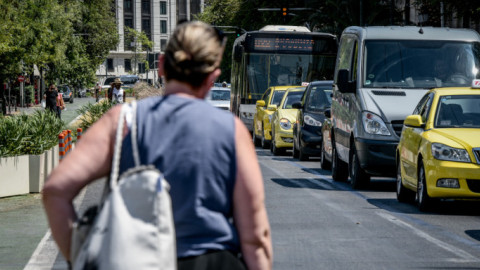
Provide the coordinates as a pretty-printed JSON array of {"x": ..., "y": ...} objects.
[
  {"x": 423, "y": 106},
  {"x": 266, "y": 96}
]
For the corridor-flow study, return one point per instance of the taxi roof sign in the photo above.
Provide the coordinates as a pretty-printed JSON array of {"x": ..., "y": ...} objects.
[
  {"x": 307, "y": 83},
  {"x": 476, "y": 84}
]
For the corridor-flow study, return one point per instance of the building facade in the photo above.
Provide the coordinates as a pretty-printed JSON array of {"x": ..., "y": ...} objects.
[{"x": 157, "y": 19}]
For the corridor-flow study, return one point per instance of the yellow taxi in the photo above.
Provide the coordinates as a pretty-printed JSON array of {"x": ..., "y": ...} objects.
[
  {"x": 262, "y": 118},
  {"x": 438, "y": 156},
  {"x": 283, "y": 118}
]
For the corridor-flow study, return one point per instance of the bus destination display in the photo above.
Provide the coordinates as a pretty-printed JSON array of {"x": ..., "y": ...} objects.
[{"x": 283, "y": 43}]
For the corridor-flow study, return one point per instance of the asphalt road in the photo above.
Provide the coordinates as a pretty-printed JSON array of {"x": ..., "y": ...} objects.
[{"x": 317, "y": 223}]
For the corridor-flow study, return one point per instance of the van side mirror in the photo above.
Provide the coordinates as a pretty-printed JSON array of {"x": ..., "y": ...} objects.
[
  {"x": 272, "y": 108},
  {"x": 414, "y": 121},
  {"x": 327, "y": 113},
  {"x": 297, "y": 105},
  {"x": 260, "y": 103},
  {"x": 344, "y": 85}
]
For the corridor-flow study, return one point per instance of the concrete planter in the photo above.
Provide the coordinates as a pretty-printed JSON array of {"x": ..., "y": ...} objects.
[
  {"x": 37, "y": 172},
  {"x": 14, "y": 178}
]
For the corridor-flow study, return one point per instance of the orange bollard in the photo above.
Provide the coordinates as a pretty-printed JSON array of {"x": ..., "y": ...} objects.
[
  {"x": 61, "y": 145},
  {"x": 79, "y": 134},
  {"x": 69, "y": 140}
]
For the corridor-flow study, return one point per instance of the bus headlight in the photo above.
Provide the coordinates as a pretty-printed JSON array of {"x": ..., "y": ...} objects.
[{"x": 285, "y": 124}]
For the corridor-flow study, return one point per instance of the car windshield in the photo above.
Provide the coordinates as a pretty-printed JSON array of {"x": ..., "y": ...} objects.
[
  {"x": 216, "y": 94},
  {"x": 277, "y": 97},
  {"x": 108, "y": 81},
  {"x": 129, "y": 80},
  {"x": 420, "y": 64},
  {"x": 62, "y": 89},
  {"x": 458, "y": 111},
  {"x": 266, "y": 69},
  {"x": 319, "y": 98},
  {"x": 291, "y": 98}
]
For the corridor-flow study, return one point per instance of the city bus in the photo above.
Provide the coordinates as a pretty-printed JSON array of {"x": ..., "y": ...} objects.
[{"x": 274, "y": 56}]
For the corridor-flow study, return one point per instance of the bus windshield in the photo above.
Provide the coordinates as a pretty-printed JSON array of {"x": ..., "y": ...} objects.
[
  {"x": 274, "y": 69},
  {"x": 420, "y": 64}
]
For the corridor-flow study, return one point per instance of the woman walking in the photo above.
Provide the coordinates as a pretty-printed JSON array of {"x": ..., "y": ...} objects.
[{"x": 206, "y": 155}]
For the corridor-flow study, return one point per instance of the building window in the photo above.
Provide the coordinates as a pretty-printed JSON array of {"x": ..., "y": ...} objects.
[
  {"x": 146, "y": 27},
  {"x": 128, "y": 65},
  {"x": 163, "y": 44},
  {"x": 163, "y": 8},
  {"x": 146, "y": 6},
  {"x": 110, "y": 65},
  {"x": 129, "y": 22},
  {"x": 163, "y": 26},
  {"x": 127, "y": 5}
]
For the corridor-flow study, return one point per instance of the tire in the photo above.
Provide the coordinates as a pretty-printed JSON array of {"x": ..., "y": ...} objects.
[
  {"x": 339, "y": 168},
  {"x": 324, "y": 164},
  {"x": 403, "y": 194},
  {"x": 71, "y": 100},
  {"x": 424, "y": 201},
  {"x": 263, "y": 143},
  {"x": 359, "y": 178},
  {"x": 294, "y": 151},
  {"x": 301, "y": 155},
  {"x": 276, "y": 151},
  {"x": 256, "y": 141}
]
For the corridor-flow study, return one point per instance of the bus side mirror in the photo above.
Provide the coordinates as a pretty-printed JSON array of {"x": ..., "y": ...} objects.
[
  {"x": 297, "y": 105},
  {"x": 260, "y": 103},
  {"x": 237, "y": 53},
  {"x": 344, "y": 85}
]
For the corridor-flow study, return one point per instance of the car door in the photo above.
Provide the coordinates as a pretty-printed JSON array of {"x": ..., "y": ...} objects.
[
  {"x": 344, "y": 111},
  {"x": 411, "y": 139}
]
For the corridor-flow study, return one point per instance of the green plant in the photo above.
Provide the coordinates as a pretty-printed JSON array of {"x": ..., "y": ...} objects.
[
  {"x": 92, "y": 112},
  {"x": 29, "y": 134},
  {"x": 29, "y": 94}
]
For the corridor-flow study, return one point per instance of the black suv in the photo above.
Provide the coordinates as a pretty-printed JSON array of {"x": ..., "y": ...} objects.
[{"x": 307, "y": 131}]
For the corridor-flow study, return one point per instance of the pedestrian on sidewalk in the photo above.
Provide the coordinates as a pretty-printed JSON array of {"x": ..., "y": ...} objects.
[
  {"x": 51, "y": 100},
  {"x": 97, "y": 92},
  {"x": 206, "y": 155},
  {"x": 116, "y": 92}
]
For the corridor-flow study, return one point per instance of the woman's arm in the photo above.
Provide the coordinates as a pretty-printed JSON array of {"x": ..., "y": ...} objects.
[
  {"x": 248, "y": 200},
  {"x": 90, "y": 160}
]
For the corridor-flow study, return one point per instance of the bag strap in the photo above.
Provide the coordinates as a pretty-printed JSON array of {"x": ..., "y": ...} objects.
[{"x": 128, "y": 112}]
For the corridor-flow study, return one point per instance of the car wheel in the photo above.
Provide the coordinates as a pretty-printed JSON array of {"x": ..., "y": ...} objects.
[
  {"x": 359, "y": 178},
  {"x": 71, "y": 100},
  {"x": 324, "y": 163},
  {"x": 339, "y": 168},
  {"x": 263, "y": 142},
  {"x": 275, "y": 150},
  {"x": 301, "y": 155},
  {"x": 403, "y": 194},
  {"x": 424, "y": 201},
  {"x": 294, "y": 150},
  {"x": 256, "y": 140}
]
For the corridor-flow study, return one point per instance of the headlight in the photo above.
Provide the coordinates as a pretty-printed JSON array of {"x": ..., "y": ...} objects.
[
  {"x": 285, "y": 124},
  {"x": 443, "y": 152},
  {"x": 311, "y": 121},
  {"x": 373, "y": 124}
]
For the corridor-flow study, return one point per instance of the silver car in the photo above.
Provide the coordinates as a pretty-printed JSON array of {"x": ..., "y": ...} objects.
[{"x": 219, "y": 97}]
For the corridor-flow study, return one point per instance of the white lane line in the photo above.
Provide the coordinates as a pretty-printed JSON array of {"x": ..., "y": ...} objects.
[
  {"x": 467, "y": 257},
  {"x": 47, "y": 251}
]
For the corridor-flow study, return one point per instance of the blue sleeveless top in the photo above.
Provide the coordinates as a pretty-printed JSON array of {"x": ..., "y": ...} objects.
[{"x": 193, "y": 144}]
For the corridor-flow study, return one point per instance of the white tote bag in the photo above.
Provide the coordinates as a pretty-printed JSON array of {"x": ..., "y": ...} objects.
[{"x": 134, "y": 228}]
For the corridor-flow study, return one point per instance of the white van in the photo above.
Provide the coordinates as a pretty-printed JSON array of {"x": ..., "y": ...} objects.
[{"x": 381, "y": 73}]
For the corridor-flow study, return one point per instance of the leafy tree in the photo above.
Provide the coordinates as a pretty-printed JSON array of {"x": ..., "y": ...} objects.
[{"x": 141, "y": 43}]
